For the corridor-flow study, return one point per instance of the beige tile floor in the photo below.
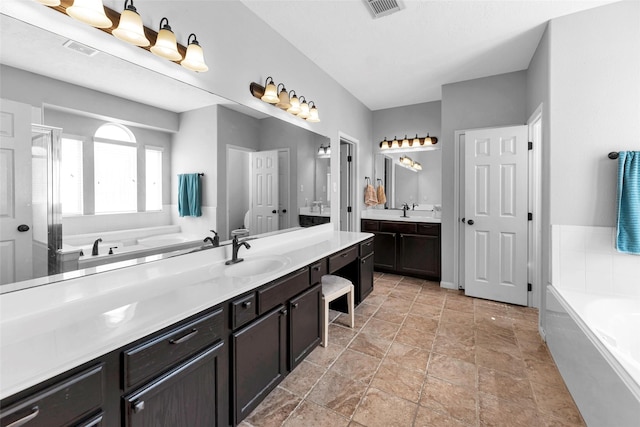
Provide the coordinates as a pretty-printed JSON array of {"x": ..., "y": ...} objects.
[{"x": 420, "y": 355}]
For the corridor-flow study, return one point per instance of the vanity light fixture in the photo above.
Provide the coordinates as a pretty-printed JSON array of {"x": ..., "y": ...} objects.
[
  {"x": 130, "y": 28},
  {"x": 90, "y": 12},
  {"x": 324, "y": 152},
  {"x": 295, "y": 103},
  {"x": 52, "y": 3},
  {"x": 288, "y": 101},
  {"x": 313, "y": 113},
  {"x": 270, "y": 92},
  {"x": 283, "y": 98},
  {"x": 194, "y": 58},
  {"x": 410, "y": 164},
  {"x": 304, "y": 109},
  {"x": 166, "y": 45},
  {"x": 408, "y": 145}
]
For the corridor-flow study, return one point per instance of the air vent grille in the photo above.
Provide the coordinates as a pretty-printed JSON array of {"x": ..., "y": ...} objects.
[
  {"x": 79, "y": 47},
  {"x": 380, "y": 8}
]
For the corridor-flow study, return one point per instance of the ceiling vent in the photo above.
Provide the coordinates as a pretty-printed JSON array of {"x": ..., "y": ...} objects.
[
  {"x": 380, "y": 8},
  {"x": 79, "y": 47}
]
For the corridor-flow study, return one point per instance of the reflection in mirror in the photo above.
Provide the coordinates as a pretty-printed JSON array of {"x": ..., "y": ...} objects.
[
  {"x": 163, "y": 133},
  {"x": 420, "y": 189}
]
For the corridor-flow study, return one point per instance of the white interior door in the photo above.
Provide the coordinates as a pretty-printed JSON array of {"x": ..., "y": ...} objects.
[
  {"x": 264, "y": 191},
  {"x": 15, "y": 192},
  {"x": 496, "y": 182},
  {"x": 284, "y": 210}
]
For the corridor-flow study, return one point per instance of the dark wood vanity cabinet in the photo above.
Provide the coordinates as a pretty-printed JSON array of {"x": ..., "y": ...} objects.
[
  {"x": 304, "y": 325},
  {"x": 408, "y": 248}
]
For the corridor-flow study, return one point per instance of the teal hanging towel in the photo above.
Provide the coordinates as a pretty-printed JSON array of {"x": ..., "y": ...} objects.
[
  {"x": 628, "y": 224},
  {"x": 189, "y": 194}
]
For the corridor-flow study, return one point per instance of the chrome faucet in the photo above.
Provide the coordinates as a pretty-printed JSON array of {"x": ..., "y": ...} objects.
[
  {"x": 235, "y": 243},
  {"x": 215, "y": 241},
  {"x": 94, "y": 251}
]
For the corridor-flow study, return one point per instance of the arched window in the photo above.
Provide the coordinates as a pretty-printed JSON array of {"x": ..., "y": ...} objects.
[{"x": 116, "y": 132}]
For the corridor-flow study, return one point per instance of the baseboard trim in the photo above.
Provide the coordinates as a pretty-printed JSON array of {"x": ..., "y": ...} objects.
[{"x": 448, "y": 285}]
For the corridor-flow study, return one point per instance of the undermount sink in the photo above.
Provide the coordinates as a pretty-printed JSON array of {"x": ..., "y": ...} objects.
[{"x": 256, "y": 266}]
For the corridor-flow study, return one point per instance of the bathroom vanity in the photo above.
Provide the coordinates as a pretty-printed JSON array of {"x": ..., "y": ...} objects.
[
  {"x": 185, "y": 339},
  {"x": 407, "y": 246}
]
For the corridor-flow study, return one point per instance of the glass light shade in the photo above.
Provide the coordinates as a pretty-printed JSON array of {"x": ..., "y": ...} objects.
[
  {"x": 50, "y": 2},
  {"x": 283, "y": 100},
  {"x": 313, "y": 115},
  {"x": 130, "y": 28},
  {"x": 166, "y": 45},
  {"x": 270, "y": 93},
  {"x": 295, "y": 105},
  {"x": 395, "y": 144},
  {"x": 304, "y": 110},
  {"x": 384, "y": 144},
  {"x": 405, "y": 142},
  {"x": 194, "y": 58},
  {"x": 90, "y": 12},
  {"x": 415, "y": 142},
  {"x": 417, "y": 166},
  {"x": 427, "y": 141}
]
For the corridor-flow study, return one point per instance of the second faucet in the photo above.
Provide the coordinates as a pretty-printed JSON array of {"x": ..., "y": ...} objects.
[{"x": 235, "y": 247}]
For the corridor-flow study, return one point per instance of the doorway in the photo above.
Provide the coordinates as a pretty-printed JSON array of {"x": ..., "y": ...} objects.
[{"x": 346, "y": 185}]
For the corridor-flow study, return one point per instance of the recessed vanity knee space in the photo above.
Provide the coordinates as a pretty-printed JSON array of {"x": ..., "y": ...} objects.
[{"x": 183, "y": 339}]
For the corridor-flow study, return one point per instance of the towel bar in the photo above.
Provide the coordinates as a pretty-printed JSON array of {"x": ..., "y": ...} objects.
[{"x": 613, "y": 155}]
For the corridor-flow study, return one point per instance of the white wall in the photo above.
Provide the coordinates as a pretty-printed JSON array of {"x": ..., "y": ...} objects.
[
  {"x": 595, "y": 109},
  {"x": 486, "y": 102}
]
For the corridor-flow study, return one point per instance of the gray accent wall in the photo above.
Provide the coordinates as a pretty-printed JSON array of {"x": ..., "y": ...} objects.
[{"x": 486, "y": 102}]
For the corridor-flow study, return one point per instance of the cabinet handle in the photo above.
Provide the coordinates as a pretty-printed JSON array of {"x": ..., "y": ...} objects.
[
  {"x": 246, "y": 304},
  {"x": 93, "y": 423},
  {"x": 402, "y": 236},
  {"x": 138, "y": 406},
  {"x": 363, "y": 261},
  {"x": 294, "y": 305},
  {"x": 316, "y": 268},
  {"x": 368, "y": 244},
  {"x": 22, "y": 421},
  {"x": 344, "y": 255},
  {"x": 180, "y": 340}
]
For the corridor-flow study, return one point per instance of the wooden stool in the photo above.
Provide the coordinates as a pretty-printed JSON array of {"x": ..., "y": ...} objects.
[{"x": 334, "y": 287}]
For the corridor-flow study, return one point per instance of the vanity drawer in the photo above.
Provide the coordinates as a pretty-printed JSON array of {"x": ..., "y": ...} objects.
[
  {"x": 370, "y": 225},
  {"x": 243, "y": 310},
  {"x": 398, "y": 227},
  {"x": 366, "y": 248},
  {"x": 282, "y": 290},
  {"x": 342, "y": 258},
  {"x": 156, "y": 355},
  {"x": 68, "y": 402},
  {"x": 429, "y": 229},
  {"x": 317, "y": 270}
]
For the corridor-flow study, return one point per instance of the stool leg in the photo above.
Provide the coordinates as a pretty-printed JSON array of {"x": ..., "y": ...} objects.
[
  {"x": 350, "y": 304},
  {"x": 325, "y": 322}
]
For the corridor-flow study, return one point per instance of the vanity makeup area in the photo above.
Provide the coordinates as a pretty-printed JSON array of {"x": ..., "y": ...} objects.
[{"x": 177, "y": 335}]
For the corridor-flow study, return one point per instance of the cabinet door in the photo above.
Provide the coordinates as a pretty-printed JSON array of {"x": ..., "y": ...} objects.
[
  {"x": 259, "y": 360},
  {"x": 190, "y": 395},
  {"x": 419, "y": 255},
  {"x": 384, "y": 250},
  {"x": 366, "y": 278},
  {"x": 304, "y": 325}
]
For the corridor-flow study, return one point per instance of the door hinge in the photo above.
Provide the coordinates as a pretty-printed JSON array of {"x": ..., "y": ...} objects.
[
  {"x": 349, "y": 158},
  {"x": 348, "y": 209},
  {"x": 530, "y": 216},
  {"x": 529, "y": 287},
  {"x": 530, "y": 145}
]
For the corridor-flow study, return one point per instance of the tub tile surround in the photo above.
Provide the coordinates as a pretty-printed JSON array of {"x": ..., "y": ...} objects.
[
  {"x": 584, "y": 259},
  {"x": 449, "y": 378},
  {"x": 42, "y": 326}
]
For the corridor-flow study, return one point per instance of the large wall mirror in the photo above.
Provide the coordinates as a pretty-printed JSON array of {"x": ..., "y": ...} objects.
[{"x": 120, "y": 154}]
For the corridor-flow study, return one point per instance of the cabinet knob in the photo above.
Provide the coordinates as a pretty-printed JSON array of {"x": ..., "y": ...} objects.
[
  {"x": 294, "y": 305},
  {"x": 246, "y": 304},
  {"x": 284, "y": 311},
  {"x": 138, "y": 406}
]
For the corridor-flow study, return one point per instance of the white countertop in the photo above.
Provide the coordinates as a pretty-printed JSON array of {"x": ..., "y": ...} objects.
[
  {"x": 47, "y": 330},
  {"x": 396, "y": 215}
]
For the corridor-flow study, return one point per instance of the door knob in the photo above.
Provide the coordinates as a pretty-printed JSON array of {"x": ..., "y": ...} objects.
[
  {"x": 23, "y": 227},
  {"x": 274, "y": 211},
  {"x": 470, "y": 222},
  {"x": 284, "y": 211},
  {"x": 463, "y": 219}
]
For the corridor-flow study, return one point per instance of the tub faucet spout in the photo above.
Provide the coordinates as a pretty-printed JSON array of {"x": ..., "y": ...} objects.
[{"x": 94, "y": 251}]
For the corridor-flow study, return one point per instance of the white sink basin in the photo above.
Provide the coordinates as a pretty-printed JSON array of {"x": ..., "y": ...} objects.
[{"x": 256, "y": 266}]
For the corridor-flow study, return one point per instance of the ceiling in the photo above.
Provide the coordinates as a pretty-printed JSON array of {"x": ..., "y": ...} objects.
[{"x": 405, "y": 58}]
